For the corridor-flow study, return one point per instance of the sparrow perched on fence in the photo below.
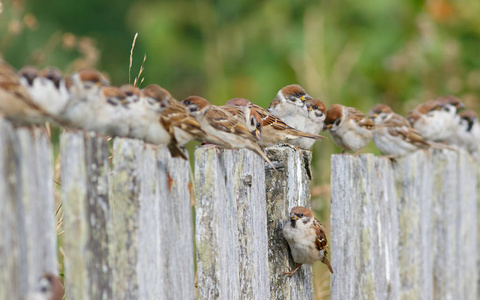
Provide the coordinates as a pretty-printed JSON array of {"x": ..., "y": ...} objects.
[
  {"x": 313, "y": 124},
  {"x": 289, "y": 105},
  {"x": 393, "y": 134},
  {"x": 435, "y": 120},
  {"x": 306, "y": 238},
  {"x": 219, "y": 123},
  {"x": 350, "y": 129},
  {"x": 137, "y": 114},
  {"x": 111, "y": 112},
  {"x": 178, "y": 121},
  {"x": 85, "y": 90},
  {"x": 48, "y": 287},
  {"x": 467, "y": 132},
  {"x": 46, "y": 88},
  {"x": 156, "y": 100},
  {"x": 241, "y": 109},
  {"x": 274, "y": 130},
  {"x": 15, "y": 102}
]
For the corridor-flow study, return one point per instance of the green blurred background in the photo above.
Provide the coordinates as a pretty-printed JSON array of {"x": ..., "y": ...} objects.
[{"x": 356, "y": 53}]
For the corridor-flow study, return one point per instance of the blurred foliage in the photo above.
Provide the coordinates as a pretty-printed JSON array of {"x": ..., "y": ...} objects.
[{"x": 357, "y": 53}]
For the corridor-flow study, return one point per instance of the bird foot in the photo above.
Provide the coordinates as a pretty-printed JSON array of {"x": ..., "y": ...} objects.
[{"x": 290, "y": 272}]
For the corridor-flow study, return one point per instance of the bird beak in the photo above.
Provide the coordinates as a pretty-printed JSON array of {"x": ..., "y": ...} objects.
[
  {"x": 293, "y": 217},
  {"x": 309, "y": 108},
  {"x": 258, "y": 134},
  {"x": 460, "y": 105},
  {"x": 373, "y": 116},
  {"x": 327, "y": 127},
  {"x": 305, "y": 97}
]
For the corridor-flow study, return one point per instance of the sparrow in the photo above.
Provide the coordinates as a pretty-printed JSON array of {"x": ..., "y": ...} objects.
[
  {"x": 273, "y": 129},
  {"x": 15, "y": 102},
  {"x": 111, "y": 112},
  {"x": 435, "y": 119},
  {"x": 178, "y": 121},
  {"x": 219, "y": 123},
  {"x": 393, "y": 134},
  {"x": 241, "y": 109},
  {"x": 137, "y": 114},
  {"x": 350, "y": 129},
  {"x": 156, "y": 100},
  {"x": 85, "y": 88},
  {"x": 306, "y": 238},
  {"x": 48, "y": 287},
  {"x": 467, "y": 132},
  {"x": 313, "y": 124},
  {"x": 289, "y": 105},
  {"x": 46, "y": 88}
]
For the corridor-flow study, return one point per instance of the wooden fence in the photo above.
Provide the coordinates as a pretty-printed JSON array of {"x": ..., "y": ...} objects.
[{"x": 404, "y": 230}]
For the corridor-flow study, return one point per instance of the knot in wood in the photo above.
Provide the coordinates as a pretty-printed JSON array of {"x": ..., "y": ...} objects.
[{"x": 247, "y": 180}]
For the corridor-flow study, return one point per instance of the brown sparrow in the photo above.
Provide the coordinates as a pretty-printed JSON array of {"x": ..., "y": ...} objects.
[
  {"x": 306, "y": 238},
  {"x": 178, "y": 121},
  {"x": 111, "y": 112},
  {"x": 350, "y": 129},
  {"x": 393, "y": 134},
  {"x": 313, "y": 124},
  {"x": 48, "y": 287},
  {"x": 436, "y": 119},
  {"x": 85, "y": 90},
  {"x": 156, "y": 100},
  {"x": 46, "y": 88},
  {"x": 289, "y": 105},
  {"x": 15, "y": 102},
  {"x": 137, "y": 115},
  {"x": 467, "y": 132},
  {"x": 274, "y": 130},
  {"x": 240, "y": 108},
  {"x": 221, "y": 124}
]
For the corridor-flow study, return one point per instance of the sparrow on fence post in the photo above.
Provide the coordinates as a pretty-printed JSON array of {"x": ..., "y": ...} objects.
[
  {"x": 221, "y": 124},
  {"x": 436, "y": 119},
  {"x": 393, "y": 134},
  {"x": 274, "y": 130},
  {"x": 306, "y": 238},
  {"x": 289, "y": 105},
  {"x": 350, "y": 129},
  {"x": 314, "y": 122}
]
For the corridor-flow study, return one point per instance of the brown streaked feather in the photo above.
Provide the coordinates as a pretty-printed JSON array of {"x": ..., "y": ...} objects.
[
  {"x": 360, "y": 118},
  {"x": 409, "y": 134},
  {"x": 268, "y": 119},
  {"x": 222, "y": 120},
  {"x": 321, "y": 243}
]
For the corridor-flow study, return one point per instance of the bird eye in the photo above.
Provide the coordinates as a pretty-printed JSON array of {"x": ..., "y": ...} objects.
[
  {"x": 301, "y": 215},
  {"x": 315, "y": 107},
  {"x": 258, "y": 125}
]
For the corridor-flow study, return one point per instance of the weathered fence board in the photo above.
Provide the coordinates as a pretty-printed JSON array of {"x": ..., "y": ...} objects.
[
  {"x": 285, "y": 188},
  {"x": 85, "y": 171},
  {"x": 426, "y": 225},
  {"x": 362, "y": 259},
  {"x": 153, "y": 230},
  {"x": 413, "y": 190},
  {"x": 27, "y": 224},
  {"x": 231, "y": 229}
]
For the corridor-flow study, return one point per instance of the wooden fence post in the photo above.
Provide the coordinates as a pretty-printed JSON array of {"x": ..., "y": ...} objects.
[
  {"x": 27, "y": 218},
  {"x": 428, "y": 226},
  {"x": 285, "y": 188},
  {"x": 152, "y": 223},
  {"x": 85, "y": 171},
  {"x": 363, "y": 213},
  {"x": 413, "y": 191},
  {"x": 231, "y": 225},
  {"x": 467, "y": 238}
]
